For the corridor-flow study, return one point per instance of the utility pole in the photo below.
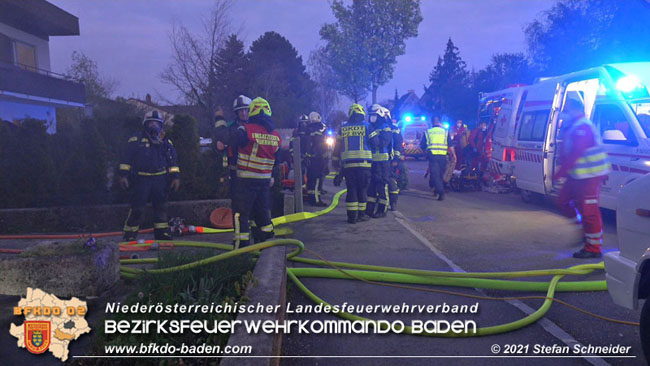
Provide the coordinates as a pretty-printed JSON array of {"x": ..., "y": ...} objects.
[{"x": 297, "y": 174}]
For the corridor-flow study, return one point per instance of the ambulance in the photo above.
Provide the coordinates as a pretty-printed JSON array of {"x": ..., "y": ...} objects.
[
  {"x": 413, "y": 128},
  {"x": 526, "y": 126}
]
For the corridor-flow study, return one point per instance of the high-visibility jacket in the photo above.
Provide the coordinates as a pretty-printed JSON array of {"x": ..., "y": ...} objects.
[
  {"x": 257, "y": 157},
  {"x": 354, "y": 145},
  {"x": 593, "y": 161},
  {"x": 436, "y": 138}
]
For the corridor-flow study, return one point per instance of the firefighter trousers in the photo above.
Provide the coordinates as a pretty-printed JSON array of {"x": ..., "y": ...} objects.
[
  {"x": 252, "y": 199},
  {"x": 315, "y": 170},
  {"x": 578, "y": 199},
  {"x": 437, "y": 166},
  {"x": 258, "y": 235},
  {"x": 356, "y": 180},
  {"x": 393, "y": 187},
  {"x": 378, "y": 190},
  {"x": 145, "y": 189}
]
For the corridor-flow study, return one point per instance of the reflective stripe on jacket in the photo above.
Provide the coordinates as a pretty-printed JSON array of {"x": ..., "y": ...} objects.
[
  {"x": 437, "y": 141},
  {"x": 593, "y": 162},
  {"x": 257, "y": 157}
]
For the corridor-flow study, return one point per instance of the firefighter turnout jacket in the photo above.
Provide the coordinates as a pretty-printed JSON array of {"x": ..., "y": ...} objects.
[{"x": 146, "y": 157}]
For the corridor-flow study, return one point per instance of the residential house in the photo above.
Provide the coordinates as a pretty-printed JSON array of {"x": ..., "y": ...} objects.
[{"x": 28, "y": 87}]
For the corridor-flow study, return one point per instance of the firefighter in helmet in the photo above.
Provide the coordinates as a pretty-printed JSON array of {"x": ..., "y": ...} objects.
[
  {"x": 257, "y": 144},
  {"x": 353, "y": 158},
  {"x": 315, "y": 159},
  {"x": 240, "y": 107},
  {"x": 381, "y": 137},
  {"x": 396, "y": 156},
  {"x": 150, "y": 169}
]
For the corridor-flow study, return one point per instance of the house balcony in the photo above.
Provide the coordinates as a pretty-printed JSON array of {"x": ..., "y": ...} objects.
[{"x": 19, "y": 82}]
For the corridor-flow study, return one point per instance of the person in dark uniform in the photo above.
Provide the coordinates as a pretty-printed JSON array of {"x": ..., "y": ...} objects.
[
  {"x": 240, "y": 107},
  {"x": 149, "y": 167},
  {"x": 257, "y": 144},
  {"x": 300, "y": 132},
  {"x": 381, "y": 137},
  {"x": 353, "y": 157},
  {"x": 315, "y": 159},
  {"x": 397, "y": 165}
]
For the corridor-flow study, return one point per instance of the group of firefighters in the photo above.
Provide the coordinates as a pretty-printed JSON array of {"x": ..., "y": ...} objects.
[{"x": 368, "y": 153}]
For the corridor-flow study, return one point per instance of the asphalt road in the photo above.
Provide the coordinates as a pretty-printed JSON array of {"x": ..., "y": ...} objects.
[{"x": 474, "y": 232}]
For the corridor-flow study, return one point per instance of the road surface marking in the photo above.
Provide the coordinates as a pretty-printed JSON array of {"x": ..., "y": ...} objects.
[{"x": 548, "y": 325}]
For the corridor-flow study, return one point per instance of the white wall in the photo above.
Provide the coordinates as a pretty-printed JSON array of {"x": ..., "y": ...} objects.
[{"x": 42, "y": 46}]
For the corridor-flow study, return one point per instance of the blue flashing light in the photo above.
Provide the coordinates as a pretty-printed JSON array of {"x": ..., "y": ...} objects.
[
  {"x": 424, "y": 118},
  {"x": 628, "y": 83},
  {"x": 408, "y": 118},
  {"x": 330, "y": 132},
  {"x": 446, "y": 125}
]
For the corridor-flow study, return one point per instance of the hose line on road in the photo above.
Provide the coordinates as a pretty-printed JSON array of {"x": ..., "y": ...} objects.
[
  {"x": 383, "y": 275},
  {"x": 389, "y": 276}
]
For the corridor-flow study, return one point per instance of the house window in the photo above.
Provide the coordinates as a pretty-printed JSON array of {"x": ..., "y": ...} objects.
[
  {"x": 25, "y": 55},
  {"x": 6, "y": 49}
]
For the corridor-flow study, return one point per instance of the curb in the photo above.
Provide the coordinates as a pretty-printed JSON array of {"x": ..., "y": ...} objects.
[{"x": 270, "y": 271}]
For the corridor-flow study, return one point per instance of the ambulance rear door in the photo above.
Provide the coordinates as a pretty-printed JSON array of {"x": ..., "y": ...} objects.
[{"x": 530, "y": 133}]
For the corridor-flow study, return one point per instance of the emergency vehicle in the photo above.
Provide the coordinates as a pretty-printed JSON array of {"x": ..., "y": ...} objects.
[
  {"x": 413, "y": 128},
  {"x": 527, "y": 137},
  {"x": 628, "y": 270}
]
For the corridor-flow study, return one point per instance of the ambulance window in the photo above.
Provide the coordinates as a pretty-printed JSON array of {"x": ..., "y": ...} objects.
[
  {"x": 613, "y": 125},
  {"x": 533, "y": 126}
]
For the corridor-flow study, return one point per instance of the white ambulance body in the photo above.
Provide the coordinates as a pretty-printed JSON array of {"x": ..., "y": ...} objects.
[
  {"x": 501, "y": 108},
  {"x": 616, "y": 99}
]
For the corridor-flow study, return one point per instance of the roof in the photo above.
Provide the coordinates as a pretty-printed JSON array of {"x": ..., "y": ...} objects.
[{"x": 38, "y": 17}]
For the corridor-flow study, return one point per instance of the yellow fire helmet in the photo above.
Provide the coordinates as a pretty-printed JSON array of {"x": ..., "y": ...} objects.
[
  {"x": 259, "y": 105},
  {"x": 356, "y": 108}
]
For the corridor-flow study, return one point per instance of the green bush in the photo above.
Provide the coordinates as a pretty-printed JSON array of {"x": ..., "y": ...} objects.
[
  {"x": 217, "y": 283},
  {"x": 201, "y": 173}
]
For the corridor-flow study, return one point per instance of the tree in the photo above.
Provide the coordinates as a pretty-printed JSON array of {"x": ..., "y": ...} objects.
[
  {"x": 84, "y": 70},
  {"x": 194, "y": 58},
  {"x": 578, "y": 34},
  {"x": 363, "y": 45},
  {"x": 504, "y": 69},
  {"x": 279, "y": 76},
  {"x": 326, "y": 96},
  {"x": 450, "y": 84},
  {"x": 231, "y": 69}
]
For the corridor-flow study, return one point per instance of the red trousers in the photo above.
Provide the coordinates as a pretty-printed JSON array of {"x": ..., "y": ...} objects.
[{"x": 579, "y": 199}]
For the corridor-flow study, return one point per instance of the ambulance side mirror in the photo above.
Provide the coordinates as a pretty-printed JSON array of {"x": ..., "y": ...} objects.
[{"x": 614, "y": 135}]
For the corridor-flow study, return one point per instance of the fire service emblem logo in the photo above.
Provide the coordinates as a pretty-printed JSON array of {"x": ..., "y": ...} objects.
[{"x": 37, "y": 336}]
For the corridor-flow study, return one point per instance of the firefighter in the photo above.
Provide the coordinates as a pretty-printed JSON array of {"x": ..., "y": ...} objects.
[
  {"x": 240, "y": 107},
  {"x": 353, "y": 157},
  {"x": 397, "y": 162},
  {"x": 381, "y": 137},
  {"x": 149, "y": 167},
  {"x": 300, "y": 132},
  {"x": 435, "y": 142},
  {"x": 584, "y": 164},
  {"x": 257, "y": 144},
  {"x": 315, "y": 159}
]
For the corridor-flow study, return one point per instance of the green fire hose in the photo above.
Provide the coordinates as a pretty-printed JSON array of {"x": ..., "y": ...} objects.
[{"x": 385, "y": 275}]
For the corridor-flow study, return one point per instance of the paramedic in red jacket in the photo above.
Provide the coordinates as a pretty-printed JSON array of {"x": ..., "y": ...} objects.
[{"x": 584, "y": 164}]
